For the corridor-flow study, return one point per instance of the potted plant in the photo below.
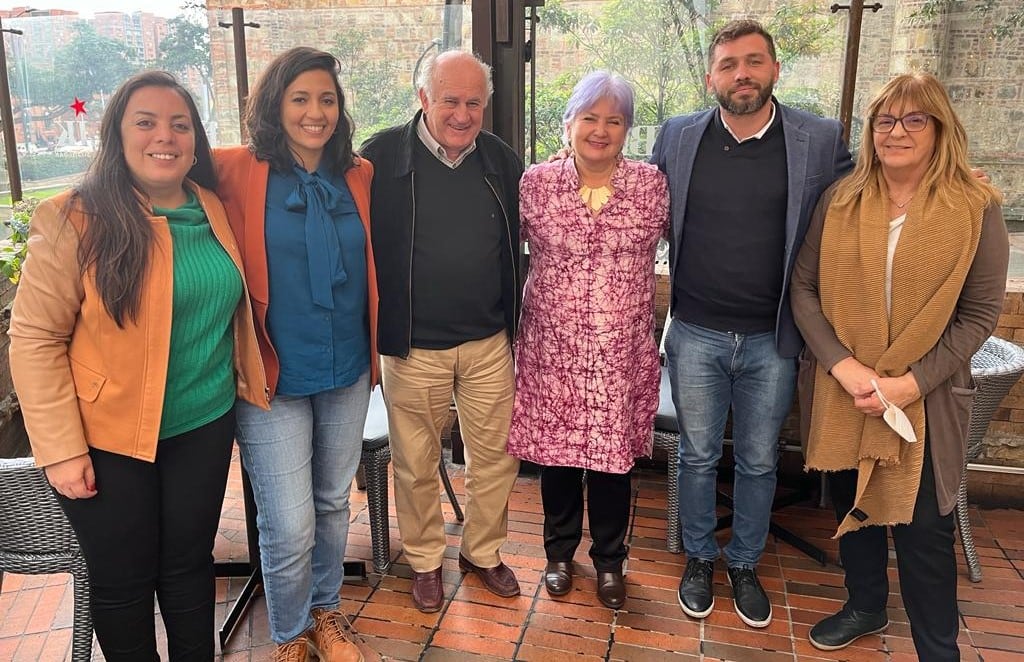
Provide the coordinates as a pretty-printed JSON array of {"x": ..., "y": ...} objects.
[{"x": 13, "y": 440}]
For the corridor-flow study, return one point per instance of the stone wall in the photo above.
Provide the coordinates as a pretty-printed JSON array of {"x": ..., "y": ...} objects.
[{"x": 983, "y": 73}]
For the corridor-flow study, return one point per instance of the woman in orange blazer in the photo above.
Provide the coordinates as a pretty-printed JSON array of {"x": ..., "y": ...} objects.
[
  {"x": 298, "y": 202},
  {"x": 130, "y": 337}
]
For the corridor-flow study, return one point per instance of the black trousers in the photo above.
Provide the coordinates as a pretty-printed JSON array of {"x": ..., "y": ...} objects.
[
  {"x": 924, "y": 556},
  {"x": 608, "y": 501},
  {"x": 150, "y": 530}
]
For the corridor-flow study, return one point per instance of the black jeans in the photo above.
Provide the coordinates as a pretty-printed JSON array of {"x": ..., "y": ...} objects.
[
  {"x": 150, "y": 529},
  {"x": 924, "y": 556},
  {"x": 608, "y": 501}
]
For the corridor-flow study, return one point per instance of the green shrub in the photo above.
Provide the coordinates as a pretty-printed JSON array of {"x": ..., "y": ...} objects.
[
  {"x": 35, "y": 167},
  {"x": 12, "y": 251}
]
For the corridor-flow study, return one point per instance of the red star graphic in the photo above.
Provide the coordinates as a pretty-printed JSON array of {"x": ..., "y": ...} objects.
[{"x": 79, "y": 107}]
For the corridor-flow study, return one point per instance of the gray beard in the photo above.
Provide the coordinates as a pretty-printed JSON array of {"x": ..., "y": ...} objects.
[{"x": 745, "y": 107}]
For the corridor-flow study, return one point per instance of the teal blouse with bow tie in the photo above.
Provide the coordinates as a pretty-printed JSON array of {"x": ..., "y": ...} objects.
[{"x": 317, "y": 317}]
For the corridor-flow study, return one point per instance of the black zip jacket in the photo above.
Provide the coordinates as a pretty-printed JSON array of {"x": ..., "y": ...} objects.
[{"x": 392, "y": 216}]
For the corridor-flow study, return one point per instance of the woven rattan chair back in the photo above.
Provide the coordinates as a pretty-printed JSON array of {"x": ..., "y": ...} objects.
[
  {"x": 36, "y": 539},
  {"x": 996, "y": 367}
]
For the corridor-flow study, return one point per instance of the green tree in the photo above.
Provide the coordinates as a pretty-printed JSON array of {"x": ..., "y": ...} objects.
[
  {"x": 93, "y": 65},
  {"x": 660, "y": 46},
  {"x": 44, "y": 86},
  {"x": 654, "y": 44},
  {"x": 376, "y": 95},
  {"x": 1010, "y": 23},
  {"x": 185, "y": 49},
  {"x": 551, "y": 99}
]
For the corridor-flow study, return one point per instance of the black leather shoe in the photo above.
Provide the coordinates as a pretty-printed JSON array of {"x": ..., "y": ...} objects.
[
  {"x": 611, "y": 589},
  {"x": 842, "y": 629},
  {"x": 558, "y": 577},
  {"x": 748, "y": 597},
  {"x": 696, "y": 592}
]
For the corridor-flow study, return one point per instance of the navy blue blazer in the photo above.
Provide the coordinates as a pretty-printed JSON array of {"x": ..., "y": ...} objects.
[{"x": 816, "y": 156}]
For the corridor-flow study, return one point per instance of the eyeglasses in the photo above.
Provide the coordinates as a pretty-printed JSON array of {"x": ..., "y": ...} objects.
[{"x": 912, "y": 122}]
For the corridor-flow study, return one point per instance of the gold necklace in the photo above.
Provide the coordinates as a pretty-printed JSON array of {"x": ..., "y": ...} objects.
[
  {"x": 905, "y": 202},
  {"x": 595, "y": 197}
]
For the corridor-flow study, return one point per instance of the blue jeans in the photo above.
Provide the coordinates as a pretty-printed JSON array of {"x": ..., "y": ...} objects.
[
  {"x": 301, "y": 457},
  {"x": 710, "y": 372}
]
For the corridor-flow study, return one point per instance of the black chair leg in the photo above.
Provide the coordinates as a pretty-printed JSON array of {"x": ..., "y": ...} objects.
[
  {"x": 81, "y": 637},
  {"x": 443, "y": 470}
]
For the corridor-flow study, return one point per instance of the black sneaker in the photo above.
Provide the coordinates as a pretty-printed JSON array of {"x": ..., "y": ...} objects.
[
  {"x": 696, "y": 593},
  {"x": 842, "y": 629},
  {"x": 751, "y": 602}
]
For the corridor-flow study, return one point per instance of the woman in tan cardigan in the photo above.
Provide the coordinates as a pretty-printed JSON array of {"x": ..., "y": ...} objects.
[
  {"x": 899, "y": 281},
  {"x": 131, "y": 336}
]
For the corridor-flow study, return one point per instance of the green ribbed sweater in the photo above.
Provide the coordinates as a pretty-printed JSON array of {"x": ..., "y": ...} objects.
[{"x": 207, "y": 287}]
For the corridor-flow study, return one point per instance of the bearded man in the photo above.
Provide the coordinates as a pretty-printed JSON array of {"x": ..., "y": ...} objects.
[{"x": 744, "y": 178}]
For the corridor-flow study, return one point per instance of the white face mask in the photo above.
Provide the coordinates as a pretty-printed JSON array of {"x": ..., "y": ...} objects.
[{"x": 895, "y": 418}]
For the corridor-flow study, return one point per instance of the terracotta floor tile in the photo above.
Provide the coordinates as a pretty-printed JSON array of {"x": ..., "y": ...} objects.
[
  {"x": 469, "y": 643},
  {"x": 36, "y": 612},
  {"x": 631, "y": 653},
  {"x": 567, "y": 642},
  {"x": 572, "y": 626},
  {"x": 727, "y": 651},
  {"x": 530, "y": 653},
  {"x": 478, "y": 627},
  {"x": 659, "y": 640}
]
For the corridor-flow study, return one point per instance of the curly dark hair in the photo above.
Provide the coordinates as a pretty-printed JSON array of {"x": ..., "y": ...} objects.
[
  {"x": 118, "y": 234},
  {"x": 263, "y": 110}
]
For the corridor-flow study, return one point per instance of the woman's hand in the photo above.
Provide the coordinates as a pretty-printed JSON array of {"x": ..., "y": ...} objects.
[
  {"x": 854, "y": 377},
  {"x": 73, "y": 478},
  {"x": 900, "y": 391}
]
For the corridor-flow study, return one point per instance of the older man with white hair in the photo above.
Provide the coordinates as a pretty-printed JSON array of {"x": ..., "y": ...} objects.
[{"x": 445, "y": 233}]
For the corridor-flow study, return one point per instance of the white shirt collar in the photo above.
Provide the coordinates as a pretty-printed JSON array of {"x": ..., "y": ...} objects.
[
  {"x": 756, "y": 136},
  {"x": 435, "y": 147}
]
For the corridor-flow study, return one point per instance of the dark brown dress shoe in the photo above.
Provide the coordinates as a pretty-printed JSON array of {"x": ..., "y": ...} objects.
[
  {"x": 499, "y": 580},
  {"x": 427, "y": 590},
  {"x": 558, "y": 577},
  {"x": 611, "y": 589}
]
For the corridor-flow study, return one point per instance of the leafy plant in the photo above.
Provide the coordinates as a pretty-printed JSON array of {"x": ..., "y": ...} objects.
[{"x": 13, "y": 249}]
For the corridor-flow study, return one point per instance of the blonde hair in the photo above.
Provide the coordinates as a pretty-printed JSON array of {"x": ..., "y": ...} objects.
[{"x": 949, "y": 175}]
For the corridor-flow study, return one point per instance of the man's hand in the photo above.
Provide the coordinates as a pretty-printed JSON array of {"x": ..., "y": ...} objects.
[
  {"x": 563, "y": 153},
  {"x": 73, "y": 478},
  {"x": 981, "y": 174}
]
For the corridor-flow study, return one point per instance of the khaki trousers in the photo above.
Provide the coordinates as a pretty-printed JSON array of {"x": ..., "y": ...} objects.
[{"x": 418, "y": 393}]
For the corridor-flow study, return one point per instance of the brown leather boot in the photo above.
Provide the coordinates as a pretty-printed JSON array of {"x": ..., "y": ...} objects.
[{"x": 329, "y": 639}]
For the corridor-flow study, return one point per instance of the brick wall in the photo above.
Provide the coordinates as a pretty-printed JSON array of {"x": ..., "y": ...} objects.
[{"x": 1004, "y": 443}]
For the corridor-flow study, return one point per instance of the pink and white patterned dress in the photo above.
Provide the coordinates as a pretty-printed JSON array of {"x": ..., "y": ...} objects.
[{"x": 587, "y": 371}]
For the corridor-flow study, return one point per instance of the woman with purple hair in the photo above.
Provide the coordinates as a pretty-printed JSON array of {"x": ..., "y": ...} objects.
[{"x": 587, "y": 372}]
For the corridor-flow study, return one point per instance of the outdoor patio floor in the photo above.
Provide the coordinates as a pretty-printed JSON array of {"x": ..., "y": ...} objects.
[{"x": 36, "y": 611}]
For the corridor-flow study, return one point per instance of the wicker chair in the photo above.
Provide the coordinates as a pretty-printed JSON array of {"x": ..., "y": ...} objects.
[
  {"x": 375, "y": 459},
  {"x": 666, "y": 438},
  {"x": 996, "y": 367},
  {"x": 36, "y": 539},
  {"x": 373, "y": 477}
]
